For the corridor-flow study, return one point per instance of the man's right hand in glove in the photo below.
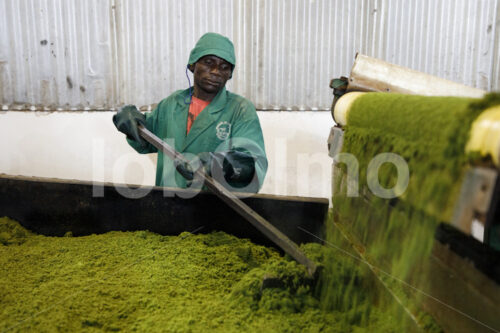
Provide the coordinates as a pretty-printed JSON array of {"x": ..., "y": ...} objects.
[{"x": 126, "y": 121}]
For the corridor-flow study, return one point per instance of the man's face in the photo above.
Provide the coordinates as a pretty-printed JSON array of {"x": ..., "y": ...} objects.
[{"x": 211, "y": 74}]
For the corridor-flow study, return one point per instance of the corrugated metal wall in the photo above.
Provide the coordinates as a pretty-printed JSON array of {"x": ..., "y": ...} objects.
[{"x": 98, "y": 54}]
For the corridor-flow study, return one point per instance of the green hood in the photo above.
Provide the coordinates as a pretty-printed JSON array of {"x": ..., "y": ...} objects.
[{"x": 212, "y": 43}]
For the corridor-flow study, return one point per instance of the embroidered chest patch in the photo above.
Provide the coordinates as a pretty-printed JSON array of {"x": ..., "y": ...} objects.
[{"x": 223, "y": 130}]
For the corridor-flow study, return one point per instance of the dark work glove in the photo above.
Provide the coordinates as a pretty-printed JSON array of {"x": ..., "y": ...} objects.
[
  {"x": 126, "y": 121},
  {"x": 236, "y": 166},
  {"x": 184, "y": 169}
]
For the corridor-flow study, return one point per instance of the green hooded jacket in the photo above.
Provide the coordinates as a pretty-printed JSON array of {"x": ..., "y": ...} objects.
[{"x": 228, "y": 122}]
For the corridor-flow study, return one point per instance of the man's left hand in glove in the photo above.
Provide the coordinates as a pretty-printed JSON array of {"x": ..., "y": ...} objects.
[{"x": 237, "y": 167}]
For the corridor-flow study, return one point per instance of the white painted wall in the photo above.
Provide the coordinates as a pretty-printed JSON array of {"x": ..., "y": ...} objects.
[{"x": 86, "y": 146}]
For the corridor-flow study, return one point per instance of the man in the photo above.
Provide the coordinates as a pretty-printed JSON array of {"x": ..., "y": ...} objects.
[{"x": 207, "y": 124}]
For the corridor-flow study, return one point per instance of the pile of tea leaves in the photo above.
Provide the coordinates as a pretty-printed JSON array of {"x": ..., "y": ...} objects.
[{"x": 142, "y": 281}]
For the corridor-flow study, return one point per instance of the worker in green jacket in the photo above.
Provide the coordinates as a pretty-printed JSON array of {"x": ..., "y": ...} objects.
[{"x": 212, "y": 127}]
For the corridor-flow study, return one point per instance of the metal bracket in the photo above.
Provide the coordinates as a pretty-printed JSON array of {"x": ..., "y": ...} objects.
[
  {"x": 335, "y": 141},
  {"x": 475, "y": 199}
]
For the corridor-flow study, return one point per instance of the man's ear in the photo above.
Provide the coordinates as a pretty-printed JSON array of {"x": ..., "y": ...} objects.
[{"x": 191, "y": 68}]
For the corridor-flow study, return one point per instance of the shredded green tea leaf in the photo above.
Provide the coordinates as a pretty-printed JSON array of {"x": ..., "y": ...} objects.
[
  {"x": 147, "y": 282},
  {"x": 393, "y": 238}
]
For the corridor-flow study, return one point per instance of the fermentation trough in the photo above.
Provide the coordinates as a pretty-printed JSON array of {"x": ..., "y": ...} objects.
[{"x": 53, "y": 207}]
